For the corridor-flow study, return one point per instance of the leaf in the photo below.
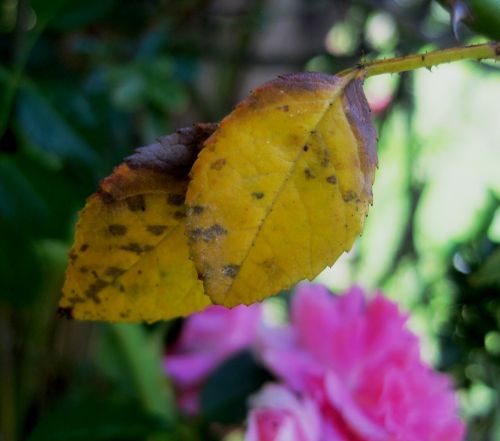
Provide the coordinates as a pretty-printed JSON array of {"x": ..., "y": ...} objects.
[
  {"x": 282, "y": 187},
  {"x": 130, "y": 260},
  {"x": 85, "y": 416},
  {"x": 224, "y": 395}
]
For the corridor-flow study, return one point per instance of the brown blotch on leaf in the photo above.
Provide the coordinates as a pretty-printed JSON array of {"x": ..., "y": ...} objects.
[
  {"x": 156, "y": 230},
  {"x": 309, "y": 173},
  {"x": 74, "y": 300},
  {"x": 117, "y": 230},
  {"x": 106, "y": 197},
  {"x": 331, "y": 179},
  {"x": 136, "y": 203},
  {"x": 325, "y": 160},
  {"x": 230, "y": 270},
  {"x": 207, "y": 234},
  {"x": 65, "y": 313},
  {"x": 305, "y": 148},
  {"x": 122, "y": 288},
  {"x": 84, "y": 270},
  {"x": 178, "y": 215},
  {"x": 73, "y": 256},
  {"x": 84, "y": 247},
  {"x": 257, "y": 195},
  {"x": 93, "y": 290},
  {"x": 175, "y": 199},
  {"x": 349, "y": 196},
  {"x": 217, "y": 165},
  {"x": 136, "y": 248},
  {"x": 196, "y": 210},
  {"x": 114, "y": 272}
]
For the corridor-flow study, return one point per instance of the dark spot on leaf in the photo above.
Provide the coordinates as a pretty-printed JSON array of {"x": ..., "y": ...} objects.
[
  {"x": 217, "y": 165},
  {"x": 156, "y": 230},
  {"x": 349, "y": 195},
  {"x": 331, "y": 179},
  {"x": 285, "y": 108},
  {"x": 175, "y": 199},
  {"x": 136, "y": 203},
  {"x": 106, "y": 197},
  {"x": 94, "y": 274},
  {"x": 74, "y": 300},
  {"x": 305, "y": 148},
  {"x": 258, "y": 194},
  {"x": 122, "y": 288},
  {"x": 230, "y": 270},
  {"x": 308, "y": 173},
  {"x": 207, "y": 234},
  {"x": 197, "y": 210},
  {"x": 84, "y": 247},
  {"x": 73, "y": 256},
  {"x": 95, "y": 289},
  {"x": 66, "y": 313},
  {"x": 117, "y": 230},
  {"x": 84, "y": 270},
  {"x": 179, "y": 215},
  {"x": 139, "y": 272},
  {"x": 114, "y": 272},
  {"x": 325, "y": 160},
  {"x": 136, "y": 248}
]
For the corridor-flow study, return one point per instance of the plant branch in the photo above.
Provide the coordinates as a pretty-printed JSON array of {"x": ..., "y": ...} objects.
[{"x": 489, "y": 50}]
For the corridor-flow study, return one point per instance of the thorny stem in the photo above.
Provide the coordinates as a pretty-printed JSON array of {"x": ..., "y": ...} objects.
[{"x": 490, "y": 50}]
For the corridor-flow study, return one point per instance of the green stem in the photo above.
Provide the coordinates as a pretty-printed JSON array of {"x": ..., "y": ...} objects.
[{"x": 490, "y": 50}]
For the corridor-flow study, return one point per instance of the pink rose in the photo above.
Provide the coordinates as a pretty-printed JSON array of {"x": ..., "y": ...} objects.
[
  {"x": 359, "y": 362},
  {"x": 279, "y": 415},
  {"x": 206, "y": 340}
]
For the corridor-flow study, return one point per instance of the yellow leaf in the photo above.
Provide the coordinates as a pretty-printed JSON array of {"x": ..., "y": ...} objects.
[
  {"x": 282, "y": 187},
  {"x": 130, "y": 260}
]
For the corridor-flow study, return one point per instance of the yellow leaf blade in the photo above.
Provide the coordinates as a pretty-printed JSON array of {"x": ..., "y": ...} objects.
[
  {"x": 130, "y": 260},
  {"x": 280, "y": 190}
]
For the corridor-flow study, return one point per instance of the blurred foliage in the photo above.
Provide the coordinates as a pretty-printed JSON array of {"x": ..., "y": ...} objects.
[{"x": 83, "y": 82}]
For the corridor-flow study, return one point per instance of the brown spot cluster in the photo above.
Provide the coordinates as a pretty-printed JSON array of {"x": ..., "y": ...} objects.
[
  {"x": 117, "y": 230},
  {"x": 196, "y": 210},
  {"x": 136, "y": 203},
  {"x": 207, "y": 234},
  {"x": 332, "y": 179},
  {"x": 136, "y": 248},
  {"x": 257, "y": 195},
  {"x": 309, "y": 173},
  {"x": 218, "y": 164},
  {"x": 175, "y": 199},
  {"x": 349, "y": 196},
  {"x": 156, "y": 230},
  {"x": 114, "y": 272}
]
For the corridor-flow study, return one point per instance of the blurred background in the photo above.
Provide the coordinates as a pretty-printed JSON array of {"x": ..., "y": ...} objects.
[{"x": 84, "y": 82}]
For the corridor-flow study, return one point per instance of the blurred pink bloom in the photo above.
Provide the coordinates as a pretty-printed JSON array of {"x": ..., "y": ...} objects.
[
  {"x": 279, "y": 415},
  {"x": 356, "y": 359},
  {"x": 206, "y": 340}
]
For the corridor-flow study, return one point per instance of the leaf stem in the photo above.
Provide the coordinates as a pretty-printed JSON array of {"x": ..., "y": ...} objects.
[{"x": 490, "y": 50}]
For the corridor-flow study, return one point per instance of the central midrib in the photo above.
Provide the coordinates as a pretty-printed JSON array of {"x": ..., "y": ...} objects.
[{"x": 338, "y": 91}]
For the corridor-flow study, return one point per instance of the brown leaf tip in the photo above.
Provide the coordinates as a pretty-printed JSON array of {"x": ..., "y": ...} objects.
[{"x": 173, "y": 154}]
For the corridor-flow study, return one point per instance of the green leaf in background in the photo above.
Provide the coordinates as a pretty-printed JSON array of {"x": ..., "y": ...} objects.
[
  {"x": 132, "y": 357},
  {"x": 43, "y": 127},
  {"x": 86, "y": 417},
  {"x": 225, "y": 394}
]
